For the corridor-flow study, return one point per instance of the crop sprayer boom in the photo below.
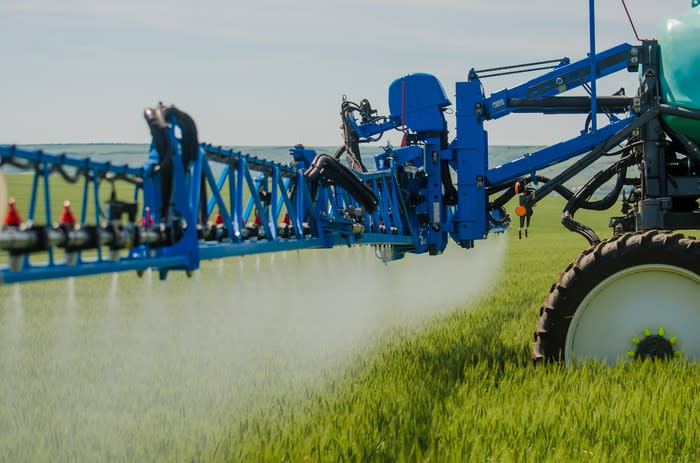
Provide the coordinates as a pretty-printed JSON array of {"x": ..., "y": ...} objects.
[{"x": 634, "y": 295}]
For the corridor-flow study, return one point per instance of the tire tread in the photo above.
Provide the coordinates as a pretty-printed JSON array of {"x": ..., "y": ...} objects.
[{"x": 593, "y": 266}]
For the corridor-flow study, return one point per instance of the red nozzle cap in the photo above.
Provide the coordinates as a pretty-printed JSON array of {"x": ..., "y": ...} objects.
[
  {"x": 147, "y": 220},
  {"x": 258, "y": 221},
  {"x": 219, "y": 220},
  {"x": 67, "y": 217},
  {"x": 286, "y": 220},
  {"x": 12, "y": 217}
]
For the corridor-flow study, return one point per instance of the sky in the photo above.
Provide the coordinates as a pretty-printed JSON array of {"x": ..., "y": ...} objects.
[{"x": 273, "y": 72}]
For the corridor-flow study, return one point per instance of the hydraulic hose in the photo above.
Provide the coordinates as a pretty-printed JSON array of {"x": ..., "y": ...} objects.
[
  {"x": 325, "y": 166},
  {"x": 561, "y": 189},
  {"x": 158, "y": 120},
  {"x": 159, "y": 132},
  {"x": 510, "y": 191},
  {"x": 580, "y": 198}
]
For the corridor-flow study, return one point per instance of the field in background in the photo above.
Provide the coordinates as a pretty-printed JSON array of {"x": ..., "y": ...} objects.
[{"x": 116, "y": 368}]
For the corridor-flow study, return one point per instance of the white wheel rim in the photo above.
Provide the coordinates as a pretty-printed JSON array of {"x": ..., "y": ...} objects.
[{"x": 625, "y": 305}]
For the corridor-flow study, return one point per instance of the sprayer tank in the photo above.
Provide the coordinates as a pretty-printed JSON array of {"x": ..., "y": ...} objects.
[{"x": 679, "y": 41}]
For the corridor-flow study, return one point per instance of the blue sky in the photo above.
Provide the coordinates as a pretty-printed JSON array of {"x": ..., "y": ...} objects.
[{"x": 271, "y": 72}]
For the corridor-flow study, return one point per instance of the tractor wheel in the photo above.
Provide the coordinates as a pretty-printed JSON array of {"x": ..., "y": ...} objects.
[{"x": 636, "y": 296}]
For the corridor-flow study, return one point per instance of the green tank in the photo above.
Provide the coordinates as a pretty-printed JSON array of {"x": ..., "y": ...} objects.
[{"x": 679, "y": 41}]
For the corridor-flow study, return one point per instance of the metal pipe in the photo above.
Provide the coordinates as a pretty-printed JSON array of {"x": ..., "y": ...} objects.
[
  {"x": 13, "y": 238},
  {"x": 55, "y": 237},
  {"x": 77, "y": 237},
  {"x": 18, "y": 240},
  {"x": 149, "y": 236}
]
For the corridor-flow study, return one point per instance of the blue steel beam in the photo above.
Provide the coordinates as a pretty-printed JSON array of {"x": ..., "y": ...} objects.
[
  {"x": 529, "y": 164},
  {"x": 558, "y": 81},
  {"x": 88, "y": 267},
  {"x": 41, "y": 157}
]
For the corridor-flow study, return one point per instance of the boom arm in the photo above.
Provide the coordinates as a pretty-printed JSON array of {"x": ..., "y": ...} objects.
[{"x": 411, "y": 203}]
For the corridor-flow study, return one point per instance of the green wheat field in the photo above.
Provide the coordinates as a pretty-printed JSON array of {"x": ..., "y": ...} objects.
[{"x": 227, "y": 367}]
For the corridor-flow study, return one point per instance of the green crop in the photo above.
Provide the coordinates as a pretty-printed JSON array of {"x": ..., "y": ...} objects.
[
  {"x": 124, "y": 369},
  {"x": 462, "y": 388}
]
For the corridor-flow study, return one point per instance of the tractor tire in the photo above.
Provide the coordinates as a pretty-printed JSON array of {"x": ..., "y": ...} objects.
[{"x": 635, "y": 296}]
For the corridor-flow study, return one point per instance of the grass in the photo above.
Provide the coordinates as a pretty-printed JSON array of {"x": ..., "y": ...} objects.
[
  {"x": 462, "y": 388},
  {"x": 86, "y": 377},
  {"x": 19, "y": 187}
]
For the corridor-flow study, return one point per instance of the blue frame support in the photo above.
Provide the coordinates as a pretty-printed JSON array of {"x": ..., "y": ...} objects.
[{"x": 413, "y": 213}]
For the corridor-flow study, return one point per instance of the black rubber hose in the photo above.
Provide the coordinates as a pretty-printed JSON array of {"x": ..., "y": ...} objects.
[
  {"x": 159, "y": 131},
  {"x": 190, "y": 152},
  {"x": 680, "y": 112},
  {"x": 189, "y": 144},
  {"x": 15, "y": 163},
  {"x": 450, "y": 197},
  {"x": 491, "y": 189},
  {"x": 510, "y": 192},
  {"x": 189, "y": 141},
  {"x": 587, "y": 191},
  {"x": 339, "y": 152},
  {"x": 325, "y": 166},
  {"x": 158, "y": 119},
  {"x": 561, "y": 189},
  {"x": 350, "y": 138},
  {"x": 345, "y": 177},
  {"x": 67, "y": 177}
]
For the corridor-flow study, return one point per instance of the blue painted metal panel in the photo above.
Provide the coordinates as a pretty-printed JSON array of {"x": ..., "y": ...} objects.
[
  {"x": 558, "y": 81},
  {"x": 42, "y": 271},
  {"x": 418, "y": 100},
  {"x": 471, "y": 158}
]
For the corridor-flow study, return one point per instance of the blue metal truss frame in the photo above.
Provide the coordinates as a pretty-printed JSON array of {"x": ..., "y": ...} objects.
[
  {"x": 266, "y": 190},
  {"x": 245, "y": 188}
]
